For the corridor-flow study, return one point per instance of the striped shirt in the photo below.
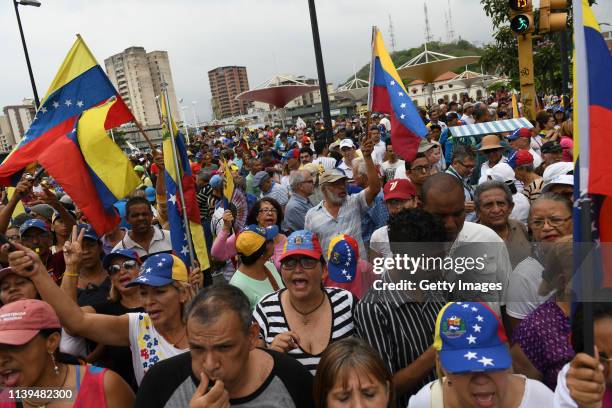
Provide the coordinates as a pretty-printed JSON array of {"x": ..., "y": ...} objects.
[
  {"x": 270, "y": 316},
  {"x": 399, "y": 329}
]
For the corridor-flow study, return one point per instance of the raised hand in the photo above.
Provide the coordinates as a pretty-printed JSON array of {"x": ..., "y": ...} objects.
[
  {"x": 23, "y": 261},
  {"x": 73, "y": 248}
]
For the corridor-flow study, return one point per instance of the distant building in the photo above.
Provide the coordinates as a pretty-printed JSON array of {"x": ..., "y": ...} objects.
[
  {"x": 449, "y": 87},
  {"x": 137, "y": 75},
  {"x": 17, "y": 120},
  {"x": 225, "y": 84},
  {"x": 6, "y": 136}
]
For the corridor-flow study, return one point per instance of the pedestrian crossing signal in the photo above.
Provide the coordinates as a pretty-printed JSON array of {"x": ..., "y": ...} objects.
[
  {"x": 521, "y": 16},
  {"x": 520, "y": 24}
]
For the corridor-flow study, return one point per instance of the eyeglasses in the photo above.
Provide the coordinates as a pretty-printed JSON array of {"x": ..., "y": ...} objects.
[
  {"x": 552, "y": 221},
  {"x": 305, "y": 263},
  {"x": 268, "y": 211},
  {"x": 308, "y": 181},
  {"x": 127, "y": 265},
  {"x": 421, "y": 169}
]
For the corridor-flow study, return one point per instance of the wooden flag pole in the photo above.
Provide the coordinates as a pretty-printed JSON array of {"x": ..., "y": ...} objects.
[{"x": 142, "y": 132}]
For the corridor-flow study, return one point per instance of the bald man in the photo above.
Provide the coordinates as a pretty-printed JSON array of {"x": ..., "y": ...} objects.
[{"x": 443, "y": 196}]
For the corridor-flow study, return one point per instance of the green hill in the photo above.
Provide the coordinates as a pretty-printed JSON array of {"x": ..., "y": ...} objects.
[{"x": 459, "y": 48}]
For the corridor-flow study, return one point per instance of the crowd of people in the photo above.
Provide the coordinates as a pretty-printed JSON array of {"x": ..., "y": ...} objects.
[{"x": 305, "y": 303}]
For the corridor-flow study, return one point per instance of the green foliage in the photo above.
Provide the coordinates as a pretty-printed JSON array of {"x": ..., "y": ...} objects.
[{"x": 459, "y": 48}]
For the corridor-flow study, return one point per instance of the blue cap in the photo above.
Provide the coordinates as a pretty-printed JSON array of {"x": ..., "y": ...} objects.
[
  {"x": 216, "y": 181},
  {"x": 469, "y": 337},
  {"x": 150, "y": 194},
  {"x": 161, "y": 270},
  {"x": 90, "y": 233},
  {"x": 119, "y": 253},
  {"x": 33, "y": 223}
]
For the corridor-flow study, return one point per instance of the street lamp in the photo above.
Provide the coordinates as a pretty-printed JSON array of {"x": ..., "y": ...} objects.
[
  {"x": 34, "y": 3},
  {"x": 195, "y": 118}
]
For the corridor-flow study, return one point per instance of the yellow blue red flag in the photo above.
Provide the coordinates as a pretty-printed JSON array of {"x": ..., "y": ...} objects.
[
  {"x": 387, "y": 94},
  {"x": 80, "y": 84},
  {"x": 178, "y": 229}
]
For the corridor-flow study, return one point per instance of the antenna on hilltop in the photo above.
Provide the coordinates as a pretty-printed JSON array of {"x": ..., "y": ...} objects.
[
  {"x": 391, "y": 33},
  {"x": 428, "y": 36},
  {"x": 451, "y": 28}
]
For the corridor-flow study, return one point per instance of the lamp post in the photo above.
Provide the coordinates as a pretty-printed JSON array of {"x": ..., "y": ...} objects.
[
  {"x": 34, "y": 3},
  {"x": 195, "y": 118}
]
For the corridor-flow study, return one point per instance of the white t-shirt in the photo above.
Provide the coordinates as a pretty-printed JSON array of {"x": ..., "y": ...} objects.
[
  {"x": 378, "y": 155},
  {"x": 537, "y": 159},
  {"x": 536, "y": 395},
  {"x": 522, "y": 294},
  {"x": 148, "y": 347},
  {"x": 379, "y": 242},
  {"x": 328, "y": 163},
  {"x": 520, "y": 212},
  {"x": 467, "y": 120},
  {"x": 389, "y": 169}
]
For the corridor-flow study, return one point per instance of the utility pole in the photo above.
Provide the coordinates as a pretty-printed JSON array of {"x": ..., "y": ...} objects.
[{"x": 521, "y": 24}]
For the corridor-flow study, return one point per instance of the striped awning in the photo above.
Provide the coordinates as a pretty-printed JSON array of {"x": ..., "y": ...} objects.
[{"x": 500, "y": 126}]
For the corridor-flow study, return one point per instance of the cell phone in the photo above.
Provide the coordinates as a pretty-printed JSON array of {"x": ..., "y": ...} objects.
[{"x": 38, "y": 175}]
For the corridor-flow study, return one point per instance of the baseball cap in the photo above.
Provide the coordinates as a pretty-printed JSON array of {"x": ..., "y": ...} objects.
[
  {"x": 260, "y": 177},
  {"x": 306, "y": 139},
  {"x": 558, "y": 173},
  {"x": 347, "y": 143},
  {"x": 216, "y": 181},
  {"x": 329, "y": 176},
  {"x": 252, "y": 237},
  {"x": 90, "y": 233},
  {"x": 520, "y": 158},
  {"x": 399, "y": 189},
  {"x": 44, "y": 210},
  {"x": 501, "y": 172},
  {"x": 302, "y": 242},
  {"x": 150, "y": 194},
  {"x": 469, "y": 337},
  {"x": 342, "y": 255},
  {"x": 161, "y": 270},
  {"x": 139, "y": 168},
  {"x": 520, "y": 132},
  {"x": 551, "y": 147},
  {"x": 292, "y": 154},
  {"x": 20, "y": 321},
  {"x": 452, "y": 115},
  {"x": 33, "y": 223},
  {"x": 425, "y": 145},
  {"x": 117, "y": 253}
]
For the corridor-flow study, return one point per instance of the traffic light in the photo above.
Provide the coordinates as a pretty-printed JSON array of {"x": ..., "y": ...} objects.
[
  {"x": 553, "y": 15},
  {"x": 521, "y": 16}
]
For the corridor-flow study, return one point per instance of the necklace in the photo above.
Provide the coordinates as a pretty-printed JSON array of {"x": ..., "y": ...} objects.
[
  {"x": 44, "y": 405},
  {"x": 305, "y": 319},
  {"x": 175, "y": 344}
]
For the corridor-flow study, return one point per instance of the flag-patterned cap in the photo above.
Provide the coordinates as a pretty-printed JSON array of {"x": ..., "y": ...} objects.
[
  {"x": 161, "y": 270},
  {"x": 342, "y": 255},
  {"x": 302, "y": 242},
  {"x": 470, "y": 338}
]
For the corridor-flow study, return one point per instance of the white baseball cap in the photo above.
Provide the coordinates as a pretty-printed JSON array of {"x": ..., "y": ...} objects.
[
  {"x": 347, "y": 143},
  {"x": 558, "y": 173},
  {"x": 501, "y": 172}
]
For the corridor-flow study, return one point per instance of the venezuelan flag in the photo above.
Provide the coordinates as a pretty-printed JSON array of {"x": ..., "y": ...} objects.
[
  {"x": 387, "y": 94},
  {"x": 80, "y": 84},
  {"x": 91, "y": 168},
  {"x": 228, "y": 184},
  {"x": 178, "y": 229}
]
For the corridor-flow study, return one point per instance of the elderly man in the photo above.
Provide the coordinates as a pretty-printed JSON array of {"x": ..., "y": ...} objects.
[
  {"x": 504, "y": 173},
  {"x": 224, "y": 367},
  {"x": 302, "y": 185},
  {"x": 493, "y": 202},
  {"x": 340, "y": 213},
  {"x": 270, "y": 188},
  {"x": 462, "y": 166}
]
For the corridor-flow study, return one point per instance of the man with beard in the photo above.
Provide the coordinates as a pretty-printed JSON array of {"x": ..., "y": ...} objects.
[
  {"x": 143, "y": 237},
  {"x": 339, "y": 213}
]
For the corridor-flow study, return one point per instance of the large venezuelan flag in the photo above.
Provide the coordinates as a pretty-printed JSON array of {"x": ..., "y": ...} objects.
[
  {"x": 388, "y": 95},
  {"x": 91, "y": 168},
  {"x": 178, "y": 230},
  {"x": 79, "y": 84}
]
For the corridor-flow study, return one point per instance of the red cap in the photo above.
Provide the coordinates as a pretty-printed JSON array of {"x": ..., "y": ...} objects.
[
  {"x": 305, "y": 139},
  {"x": 20, "y": 321},
  {"x": 523, "y": 157},
  {"x": 400, "y": 189}
]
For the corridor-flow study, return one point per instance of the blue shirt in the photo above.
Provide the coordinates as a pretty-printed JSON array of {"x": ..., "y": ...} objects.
[
  {"x": 376, "y": 217},
  {"x": 295, "y": 213}
]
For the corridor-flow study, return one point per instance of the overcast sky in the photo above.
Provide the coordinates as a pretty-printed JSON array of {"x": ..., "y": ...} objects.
[{"x": 267, "y": 36}]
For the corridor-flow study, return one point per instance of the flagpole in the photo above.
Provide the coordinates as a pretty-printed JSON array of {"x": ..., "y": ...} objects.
[
  {"x": 178, "y": 172},
  {"x": 371, "y": 86}
]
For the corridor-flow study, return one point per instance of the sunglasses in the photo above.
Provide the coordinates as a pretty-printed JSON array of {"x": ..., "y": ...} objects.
[{"x": 113, "y": 269}]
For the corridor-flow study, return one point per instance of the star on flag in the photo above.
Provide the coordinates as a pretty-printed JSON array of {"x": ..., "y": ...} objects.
[
  {"x": 185, "y": 250},
  {"x": 43, "y": 109},
  {"x": 172, "y": 199},
  {"x": 80, "y": 104},
  {"x": 403, "y": 105},
  {"x": 55, "y": 104},
  {"x": 68, "y": 102}
]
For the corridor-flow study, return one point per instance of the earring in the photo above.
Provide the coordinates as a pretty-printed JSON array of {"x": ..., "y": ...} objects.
[{"x": 55, "y": 367}]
